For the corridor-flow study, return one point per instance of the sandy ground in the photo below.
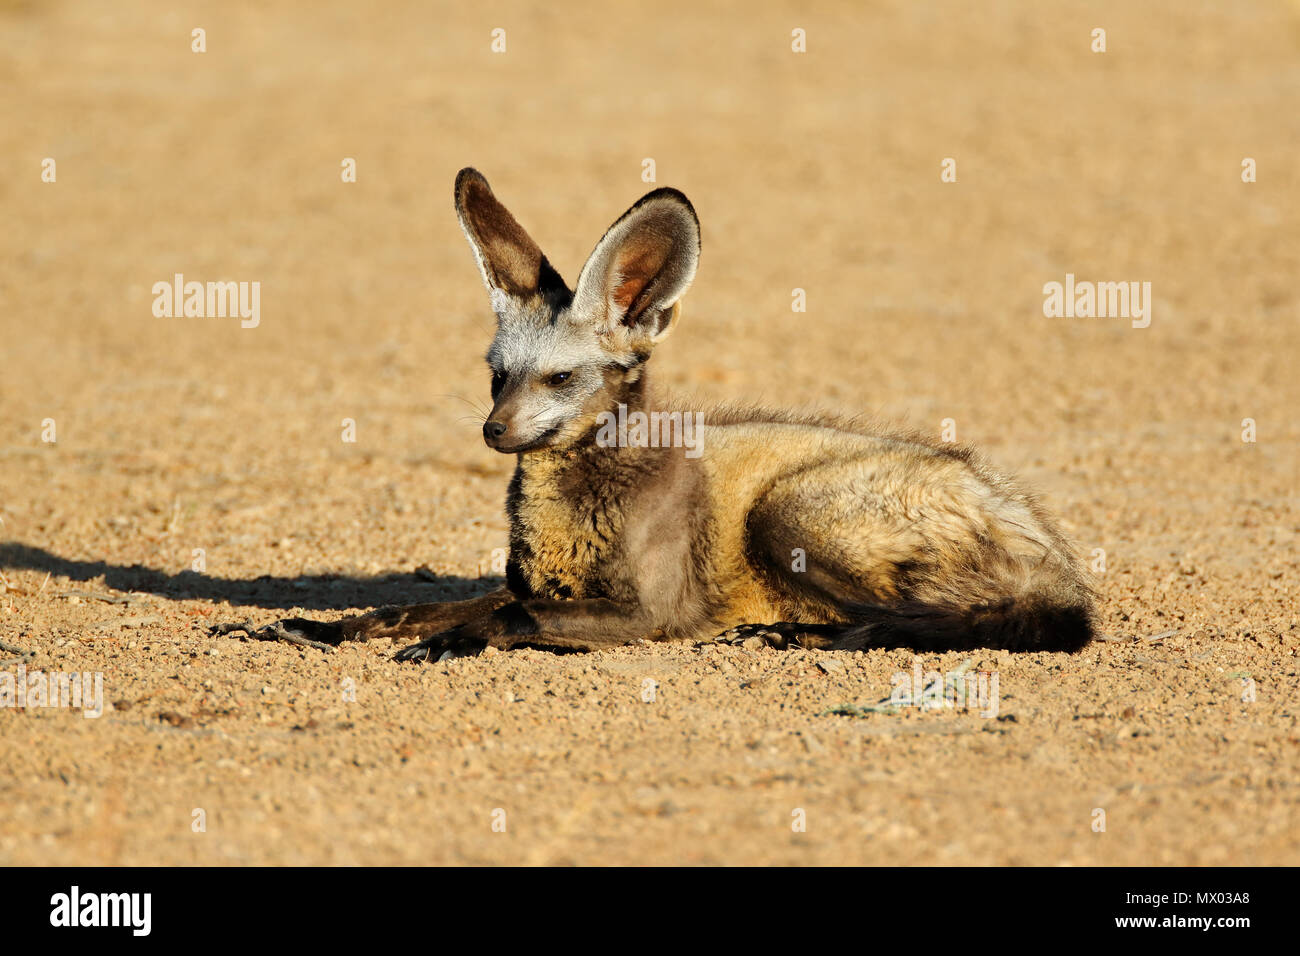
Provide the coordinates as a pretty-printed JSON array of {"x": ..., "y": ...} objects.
[{"x": 818, "y": 171}]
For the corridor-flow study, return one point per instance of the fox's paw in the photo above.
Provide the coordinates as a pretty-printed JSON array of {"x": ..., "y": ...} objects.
[
  {"x": 781, "y": 635},
  {"x": 506, "y": 627},
  {"x": 442, "y": 647},
  {"x": 295, "y": 630},
  {"x": 754, "y": 636}
]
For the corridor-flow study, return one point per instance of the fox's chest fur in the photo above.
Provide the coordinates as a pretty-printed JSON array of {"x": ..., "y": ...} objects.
[
  {"x": 617, "y": 524},
  {"x": 563, "y": 537}
]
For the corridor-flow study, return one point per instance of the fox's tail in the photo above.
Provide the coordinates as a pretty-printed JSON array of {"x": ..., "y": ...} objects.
[
  {"x": 1013, "y": 624},
  {"x": 1009, "y": 602}
]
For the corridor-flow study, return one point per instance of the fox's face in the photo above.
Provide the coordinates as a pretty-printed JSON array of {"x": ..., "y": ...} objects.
[
  {"x": 560, "y": 358},
  {"x": 551, "y": 377}
]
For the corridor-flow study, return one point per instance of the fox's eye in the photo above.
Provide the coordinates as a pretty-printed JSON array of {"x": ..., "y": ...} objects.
[
  {"x": 498, "y": 383},
  {"x": 559, "y": 378}
]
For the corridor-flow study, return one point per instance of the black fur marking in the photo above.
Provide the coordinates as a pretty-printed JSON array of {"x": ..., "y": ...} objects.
[
  {"x": 553, "y": 289},
  {"x": 516, "y": 581}
]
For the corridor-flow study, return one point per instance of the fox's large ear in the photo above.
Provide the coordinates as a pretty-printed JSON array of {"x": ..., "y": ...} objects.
[
  {"x": 511, "y": 263},
  {"x": 643, "y": 265}
]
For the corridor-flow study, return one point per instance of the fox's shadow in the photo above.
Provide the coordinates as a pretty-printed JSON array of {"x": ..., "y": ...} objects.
[{"x": 318, "y": 592}]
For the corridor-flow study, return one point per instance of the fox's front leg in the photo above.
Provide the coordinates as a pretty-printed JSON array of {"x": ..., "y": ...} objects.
[
  {"x": 407, "y": 623},
  {"x": 581, "y": 625}
]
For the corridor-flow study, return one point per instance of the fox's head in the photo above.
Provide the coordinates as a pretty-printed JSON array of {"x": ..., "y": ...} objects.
[{"x": 562, "y": 357}]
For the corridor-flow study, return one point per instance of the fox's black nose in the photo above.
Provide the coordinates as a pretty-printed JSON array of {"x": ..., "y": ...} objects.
[{"x": 493, "y": 430}]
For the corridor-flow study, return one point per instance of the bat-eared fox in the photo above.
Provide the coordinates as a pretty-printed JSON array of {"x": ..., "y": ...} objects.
[{"x": 798, "y": 529}]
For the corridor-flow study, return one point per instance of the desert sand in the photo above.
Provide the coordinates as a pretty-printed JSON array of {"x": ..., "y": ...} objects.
[{"x": 198, "y": 471}]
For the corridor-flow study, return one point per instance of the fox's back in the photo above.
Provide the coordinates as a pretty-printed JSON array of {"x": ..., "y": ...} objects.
[{"x": 897, "y": 516}]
